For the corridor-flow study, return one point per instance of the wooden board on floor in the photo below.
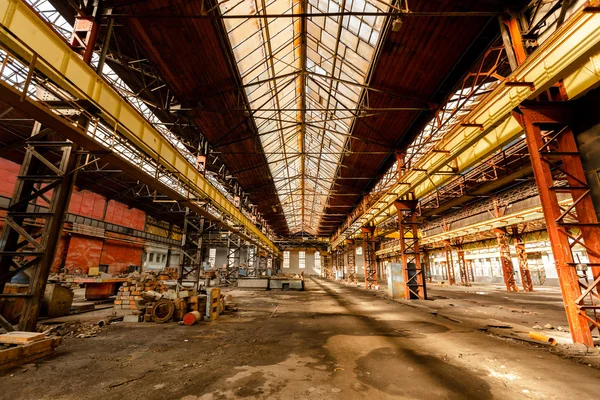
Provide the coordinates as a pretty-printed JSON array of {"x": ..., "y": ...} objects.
[
  {"x": 21, "y": 354},
  {"x": 19, "y": 337}
]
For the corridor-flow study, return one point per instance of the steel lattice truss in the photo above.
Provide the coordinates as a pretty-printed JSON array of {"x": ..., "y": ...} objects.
[{"x": 304, "y": 79}]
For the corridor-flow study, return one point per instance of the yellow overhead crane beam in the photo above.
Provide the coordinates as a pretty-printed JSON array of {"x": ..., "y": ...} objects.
[
  {"x": 26, "y": 35},
  {"x": 571, "y": 53},
  {"x": 521, "y": 217}
]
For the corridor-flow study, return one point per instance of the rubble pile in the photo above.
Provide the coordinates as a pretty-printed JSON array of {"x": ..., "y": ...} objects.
[
  {"x": 148, "y": 298},
  {"x": 71, "y": 329},
  {"x": 131, "y": 291}
]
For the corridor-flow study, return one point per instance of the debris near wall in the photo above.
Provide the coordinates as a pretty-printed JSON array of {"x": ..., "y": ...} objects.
[
  {"x": 149, "y": 299},
  {"x": 137, "y": 283},
  {"x": 71, "y": 329}
]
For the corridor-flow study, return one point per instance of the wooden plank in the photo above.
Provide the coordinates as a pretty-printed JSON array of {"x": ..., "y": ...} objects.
[
  {"x": 19, "y": 337},
  {"x": 22, "y": 354}
]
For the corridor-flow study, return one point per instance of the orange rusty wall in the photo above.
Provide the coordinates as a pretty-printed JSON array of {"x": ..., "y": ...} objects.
[
  {"x": 8, "y": 177},
  {"x": 84, "y": 252},
  {"x": 77, "y": 252},
  {"x": 61, "y": 253},
  {"x": 120, "y": 255},
  {"x": 120, "y": 214},
  {"x": 87, "y": 204}
]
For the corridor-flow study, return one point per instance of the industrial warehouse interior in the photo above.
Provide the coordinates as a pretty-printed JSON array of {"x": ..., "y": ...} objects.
[{"x": 297, "y": 199}]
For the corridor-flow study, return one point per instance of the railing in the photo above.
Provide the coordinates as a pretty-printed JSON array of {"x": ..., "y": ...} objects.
[
  {"x": 63, "y": 77},
  {"x": 570, "y": 54}
]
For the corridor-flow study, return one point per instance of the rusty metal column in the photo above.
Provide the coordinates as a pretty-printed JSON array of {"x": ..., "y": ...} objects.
[
  {"x": 334, "y": 262},
  {"x": 462, "y": 265},
  {"x": 522, "y": 257},
  {"x": 449, "y": 264},
  {"x": 508, "y": 271},
  {"x": 47, "y": 176},
  {"x": 191, "y": 244},
  {"x": 351, "y": 262},
  {"x": 426, "y": 263},
  {"x": 550, "y": 139},
  {"x": 470, "y": 274},
  {"x": 342, "y": 262},
  {"x": 327, "y": 265},
  {"x": 369, "y": 254},
  {"x": 409, "y": 246}
]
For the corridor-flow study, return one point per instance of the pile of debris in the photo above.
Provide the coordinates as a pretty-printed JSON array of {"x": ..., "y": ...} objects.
[
  {"x": 71, "y": 329},
  {"x": 172, "y": 305},
  {"x": 130, "y": 293}
]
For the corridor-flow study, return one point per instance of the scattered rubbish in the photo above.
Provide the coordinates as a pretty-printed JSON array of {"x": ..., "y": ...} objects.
[
  {"x": 548, "y": 326},
  {"x": 542, "y": 338},
  {"x": 573, "y": 350},
  {"x": 109, "y": 320},
  {"x": 537, "y": 327},
  {"x": 338, "y": 369},
  {"x": 71, "y": 329}
]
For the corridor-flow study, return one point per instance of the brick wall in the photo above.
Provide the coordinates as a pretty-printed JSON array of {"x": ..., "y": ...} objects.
[{"x": 78, "y": 252}]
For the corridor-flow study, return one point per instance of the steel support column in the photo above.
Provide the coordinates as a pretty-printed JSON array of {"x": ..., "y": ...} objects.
[
  {"x": 342, "y": 262},
  {"x": 462, "y": 265},
  {"x": 234, "y": 245},
  {"x": 522, "y": 257},
  {"x": 369, "y": 255},
  {"x": 449, "y": 264},
  {"x": 551, "y": 142},
  {"x": 262, "y": 263},
  {"x": 414, "y": 282},
  {"x": 191, "y": 241},
  {"x": 508, "y": 271},
  {"x": 251, "y": 260},
  {"x": 327, "y": 266},
  {"x": 46, "y": 177},
  {"x": 351, "y": 263},
  {"x": 426, "y": 263},
  {"x": 334, "y": 266},
  {"x": 273, "y": 264},
  {"x": 470, "y": 274}
]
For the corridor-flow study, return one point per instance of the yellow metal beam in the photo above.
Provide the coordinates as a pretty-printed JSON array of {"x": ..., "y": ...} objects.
[
  {"x": 26, "y": 34},
  {"x": 528, "y": 215},
  {"x": 571, "y": 54}
]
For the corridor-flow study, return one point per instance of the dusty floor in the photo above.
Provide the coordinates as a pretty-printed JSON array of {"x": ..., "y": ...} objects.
[{"x": 330, "y": 342}]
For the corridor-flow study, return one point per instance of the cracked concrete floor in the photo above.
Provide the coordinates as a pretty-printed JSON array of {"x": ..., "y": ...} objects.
[{"x": 329, "y": 342}]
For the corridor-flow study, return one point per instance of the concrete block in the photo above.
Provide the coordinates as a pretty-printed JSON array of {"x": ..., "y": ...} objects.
[{"x": 131, "y": 318}]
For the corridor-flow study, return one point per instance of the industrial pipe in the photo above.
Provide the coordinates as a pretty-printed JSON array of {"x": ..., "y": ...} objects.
[{"x": 542, "y": 338}]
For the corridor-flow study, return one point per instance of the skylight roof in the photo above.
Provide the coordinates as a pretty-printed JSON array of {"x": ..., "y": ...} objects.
[{"x": 304, "y": 83}]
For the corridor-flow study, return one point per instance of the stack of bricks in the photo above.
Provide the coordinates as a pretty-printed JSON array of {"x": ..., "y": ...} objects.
[
  {"x": 132, "y": 290},
  {"x": 128, "y": 294}
]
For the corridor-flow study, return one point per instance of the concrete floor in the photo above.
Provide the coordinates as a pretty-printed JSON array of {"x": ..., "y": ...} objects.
[{"x": 330, "y": 342}]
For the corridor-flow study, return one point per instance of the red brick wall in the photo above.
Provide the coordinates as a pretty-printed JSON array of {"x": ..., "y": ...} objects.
[{"x": 78, "y": 252}]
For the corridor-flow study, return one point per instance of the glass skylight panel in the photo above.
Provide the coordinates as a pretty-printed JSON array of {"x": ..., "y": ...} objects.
[{"x": 339, "y": 52}]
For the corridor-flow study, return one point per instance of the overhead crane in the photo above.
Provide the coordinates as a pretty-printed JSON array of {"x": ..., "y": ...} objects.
[
  {"x": 571, "y": 55},
  {"x": 24, "y": 34}
]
